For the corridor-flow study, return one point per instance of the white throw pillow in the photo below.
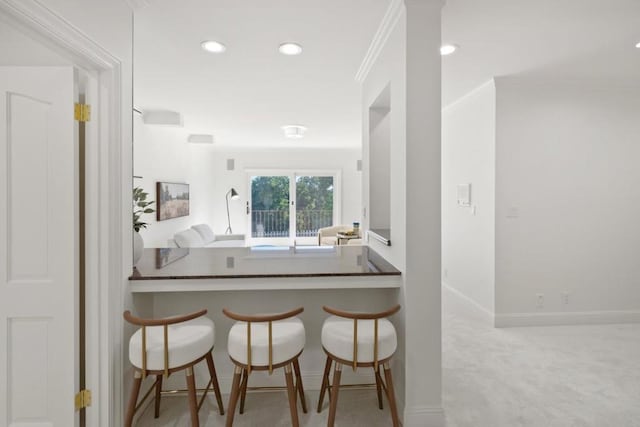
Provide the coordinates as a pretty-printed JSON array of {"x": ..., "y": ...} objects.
[
  {"x": 188, "y": 239},
  {"x": 205, "y": 232}
]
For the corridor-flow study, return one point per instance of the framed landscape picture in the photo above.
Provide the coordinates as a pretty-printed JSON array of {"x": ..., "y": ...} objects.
[{"x": 173, "y": 200}]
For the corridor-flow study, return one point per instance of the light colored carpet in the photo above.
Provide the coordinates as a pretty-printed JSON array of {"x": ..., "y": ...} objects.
[{"x": 560, "y": 376}]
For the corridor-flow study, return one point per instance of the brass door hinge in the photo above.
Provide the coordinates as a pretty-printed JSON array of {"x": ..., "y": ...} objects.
[
  {"x": 82, "y": 112},
  {"x": 83, "y": 399}
]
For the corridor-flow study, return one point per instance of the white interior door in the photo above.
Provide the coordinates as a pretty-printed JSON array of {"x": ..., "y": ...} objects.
[{"x": 38, "y": 240}]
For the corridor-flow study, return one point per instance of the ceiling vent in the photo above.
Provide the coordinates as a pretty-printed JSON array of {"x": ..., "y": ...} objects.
[
  {"x": 162, "y": 118},
  {"x": 201, "y": 139}
]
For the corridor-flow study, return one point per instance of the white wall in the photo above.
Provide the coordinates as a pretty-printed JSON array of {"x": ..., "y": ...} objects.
[
  {"x": 567, "y": 201},
  {"x": 468, "y": 157},
  {"x": 163, "y": 154},
  {"x": 380, "y": 176},
  {"x": 409, "y": 62}
]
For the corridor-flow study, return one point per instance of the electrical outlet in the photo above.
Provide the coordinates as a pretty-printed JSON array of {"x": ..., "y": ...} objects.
[
  {"x": 565, "y": 298},
  {"x": 540, "y": 300}
]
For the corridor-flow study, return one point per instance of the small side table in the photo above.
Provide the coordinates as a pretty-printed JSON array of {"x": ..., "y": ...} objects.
[{"x": 346, "y": 237}]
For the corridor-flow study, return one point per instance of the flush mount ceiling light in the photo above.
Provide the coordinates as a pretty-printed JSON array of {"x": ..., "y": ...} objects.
[
  {"x": 213, "y": 46},
  {"x": 638, "y": 45},
  {"x": 448, "y": 49},
  {"x": 294, "y": 131},
  {"x": 290, "y": 49}
]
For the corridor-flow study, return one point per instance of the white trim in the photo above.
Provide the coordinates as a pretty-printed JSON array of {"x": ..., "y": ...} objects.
[
  {"x": 568, "y": 318},
  {"x": 471, "y": 302},
  {"x": 104, "y": 363},
  {"x": 393, "y": 13},
  {"x": 37, "y": 17},
  {"x": 424, "y": 416}
]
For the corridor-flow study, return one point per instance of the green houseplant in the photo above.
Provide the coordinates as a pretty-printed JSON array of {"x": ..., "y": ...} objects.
[{"x": 140, "y": 206}]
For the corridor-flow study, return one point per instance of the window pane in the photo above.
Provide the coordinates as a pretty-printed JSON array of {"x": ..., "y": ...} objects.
[
  {"x": 269, "y": 206},
  {"x": 314, "y": 199}
]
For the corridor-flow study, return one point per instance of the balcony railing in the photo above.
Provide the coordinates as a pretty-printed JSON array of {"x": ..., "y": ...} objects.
[{"x": 275, "y": 223}]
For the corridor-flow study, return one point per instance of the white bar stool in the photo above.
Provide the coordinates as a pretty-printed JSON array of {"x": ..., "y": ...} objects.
[
  {"x": 265, "y": 343},
  {"x": 164, "y": 346},
  {"x": 358, "y": 340}
]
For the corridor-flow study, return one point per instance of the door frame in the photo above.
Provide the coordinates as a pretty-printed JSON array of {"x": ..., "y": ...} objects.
[
  {"x": 291, "y": 174},
  {"x": 105, "y": 211}
]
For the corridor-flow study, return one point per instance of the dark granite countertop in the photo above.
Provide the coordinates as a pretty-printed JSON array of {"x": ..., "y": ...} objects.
[{"x": 261, "y": 262}]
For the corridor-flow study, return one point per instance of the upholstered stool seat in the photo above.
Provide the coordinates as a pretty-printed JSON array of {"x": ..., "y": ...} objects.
[
  {"x": 288, "y": 337},
  {"x": 164, "y": 346},
  {"x": 358, "y": 340},
  {"x": 188, "y": 341},
  {"x": 337, "y": 339},
  {"x": 264, "y": 343}
]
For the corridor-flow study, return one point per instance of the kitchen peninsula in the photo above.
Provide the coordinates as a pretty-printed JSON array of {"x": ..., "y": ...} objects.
[{"x": 265, "y": 279}]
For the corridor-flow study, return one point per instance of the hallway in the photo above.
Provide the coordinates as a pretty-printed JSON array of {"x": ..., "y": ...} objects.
[{"x": 561, "y": 376}]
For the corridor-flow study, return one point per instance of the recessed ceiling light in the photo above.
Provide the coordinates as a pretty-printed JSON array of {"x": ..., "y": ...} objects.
[
  {"x": 290, "y": 49},
  {"x": 213, "y": 46},
  {"x": 638, "y": 45},
  {"x": 448, "y": 49},
  {"x": 294, "y": 131}
]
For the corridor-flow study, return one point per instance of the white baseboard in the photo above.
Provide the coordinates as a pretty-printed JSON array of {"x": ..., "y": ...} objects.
[
  {"x": 473, "y": 303},
  {"x": 424, "y": 417},
  {"x": 566, "y": 318},
  {"x": 510, "y": 320}
]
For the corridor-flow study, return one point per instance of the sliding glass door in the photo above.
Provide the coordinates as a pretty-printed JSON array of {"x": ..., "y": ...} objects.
[
  {"x": 314, "y": 204},
  {"x": 270, "y": 209},
  {"x": 289, "y": 208}
]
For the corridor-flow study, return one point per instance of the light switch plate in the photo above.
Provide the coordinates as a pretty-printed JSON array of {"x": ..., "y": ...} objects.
[{"x": 464, "y": 195}]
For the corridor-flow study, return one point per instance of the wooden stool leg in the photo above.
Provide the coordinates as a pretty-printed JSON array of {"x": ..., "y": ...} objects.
[
  {"x": 133, "y": 399},
  {"x": 391, "y": 395},
  {"x": 299, "y": 387},
  {"x": 335, "y": 388},
  {"x": 325, "y": 383},
  {"x": 233, "y": 398},
  {"x": 158, "y": 395},
  {"x": 243, "y": 389},
  {"x": 379, "y": 387},
  {"x": 214, "y": 379},
  {"x": 293, "y": 404},
  {"x": 193, "y": 400}
]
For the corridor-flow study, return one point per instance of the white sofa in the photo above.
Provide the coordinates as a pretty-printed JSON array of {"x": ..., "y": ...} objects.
[{"x": 201, "y": 236}]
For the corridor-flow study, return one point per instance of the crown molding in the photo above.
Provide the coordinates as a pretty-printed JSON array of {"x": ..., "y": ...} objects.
[
  {"x": 41, "y": 21},
  {"x": 385, "y": 28}
]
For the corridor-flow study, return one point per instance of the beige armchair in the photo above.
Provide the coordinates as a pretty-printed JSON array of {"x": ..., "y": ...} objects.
[{"x": 327, "y": 235}]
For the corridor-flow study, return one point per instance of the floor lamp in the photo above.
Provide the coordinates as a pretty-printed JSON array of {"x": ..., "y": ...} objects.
[{"x": 234, "y": 196}]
